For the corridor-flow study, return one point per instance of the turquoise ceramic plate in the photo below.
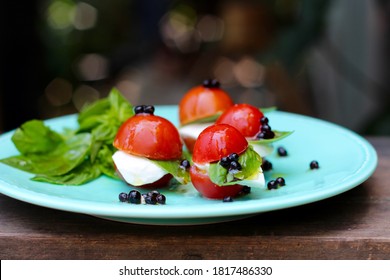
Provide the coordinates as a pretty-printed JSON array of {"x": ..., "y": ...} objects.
[{"x": 345, "y": 159}]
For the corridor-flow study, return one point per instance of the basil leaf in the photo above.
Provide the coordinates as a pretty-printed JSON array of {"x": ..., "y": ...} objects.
[
  {"x": 82, "y": 174},
  {"x": 105, "y": 162},
  {"x": 67, "y": 155},
  {"x": 34, "y": 137},
  {"x": 251, "y": 167},
  {"x": 173, "y": 167},
  {"x": 279, "y": 135}
]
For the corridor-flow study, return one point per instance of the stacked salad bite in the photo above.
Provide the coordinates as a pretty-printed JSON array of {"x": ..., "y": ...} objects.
[{"x": 219, "y": 147}]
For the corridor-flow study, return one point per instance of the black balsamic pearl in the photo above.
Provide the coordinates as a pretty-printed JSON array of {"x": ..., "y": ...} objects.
[
  {"x": 185, "y": 164},
  {"x": 235, "y": 165},
  {"x": 149, "y": 109},
  {"x": 265, "y": 127},
  {"x": 224, "y": 162},
  {"x": 139, "y": 109},
  {"x": 161, "y": 199},
  {"x": 272, "y": 185},
  {"x": 269, "y": 134},
  {"x": 134, "y": 197},
  {"x": 123, "y": 197},
  {"x": 282, "y": 151},
  {"x": 266, "y": 165},
  {"x": 233, "y": 157},
  {"x": 314, "y": 165},
  {"x": 264, "y": 120},
  {"x": 227, "y": 199},
  {"x": 150, "y": 200},
  {"x": 246, "y": 190},
  {"x": 260, "y": 135},
  {"x": 211, "y": 83},
  {"x": 280, "y": 181}
]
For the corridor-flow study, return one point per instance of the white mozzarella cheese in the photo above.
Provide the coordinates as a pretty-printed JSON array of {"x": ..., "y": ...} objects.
[{"x": 136, "y": 170}]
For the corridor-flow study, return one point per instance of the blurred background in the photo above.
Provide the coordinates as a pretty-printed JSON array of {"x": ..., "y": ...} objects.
[{"x": 322, "y": 58}]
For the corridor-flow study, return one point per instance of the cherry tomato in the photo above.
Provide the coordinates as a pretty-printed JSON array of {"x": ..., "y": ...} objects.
[
  {"x": 217, "y": 141},
  {"x": 246, "y": 118},
  {"x": 207, "y": 188},
  {"x": 149, "y": 136},
  {"x": 202, "y": 102}
]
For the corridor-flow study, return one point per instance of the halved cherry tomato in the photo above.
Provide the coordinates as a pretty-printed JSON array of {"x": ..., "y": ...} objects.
[
  {"x": 246, "y": 118},
  {"x": 149, "y": 136},
  {"x": 207, "y": 188},
  {"x": 217, "y": 141},
  {"x": 213, "y": 143},
  {"x": 202, "y": 102}
]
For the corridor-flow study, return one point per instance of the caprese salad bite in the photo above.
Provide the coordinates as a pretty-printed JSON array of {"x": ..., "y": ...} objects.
[
  {"x": 224, "y": 164},
  {"x": 149, "y": 151},
  {"x": 251, "y": 122},
  {"x": 199, "y": 108}
]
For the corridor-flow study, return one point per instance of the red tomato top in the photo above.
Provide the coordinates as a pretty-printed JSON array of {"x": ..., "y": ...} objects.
[
  {"x": 149, "y": 136},
  {"x": 201, "y": 102},
  {"x": 246, "y": 118},
  {"x": 217, "y": 141}
]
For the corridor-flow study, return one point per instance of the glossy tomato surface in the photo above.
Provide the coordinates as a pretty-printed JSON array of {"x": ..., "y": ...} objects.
[
  {"x": 217, "y": 141},
  {"x": 202, "y": 102},
  {"x": 149, "y": 136},
  {"x": 207, "y": 188},
  {"x": 246, "y": 118}
]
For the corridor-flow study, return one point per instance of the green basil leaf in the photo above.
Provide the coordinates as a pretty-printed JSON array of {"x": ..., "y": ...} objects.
[
  {"x": 66, "y": 156},
  {"x": 173, "y": 167},
  {"x": 120, "y": 108},
  {"x": 35, "y": 137},
  {"x": 279, "y": 135},
  {"x": 251, "y": 167},
  {"x": 105, "y": 162},
  {"x": 82, "y": 174}
]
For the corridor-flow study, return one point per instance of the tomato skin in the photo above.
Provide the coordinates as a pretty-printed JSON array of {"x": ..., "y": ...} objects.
[
  {"x": 201, "y": 102},
  {"x": 208, "y": 189},
  {"x": 217, "y": 141},
  {"x": 246, "y": 118},
  {"x": 149, "y": 136}
]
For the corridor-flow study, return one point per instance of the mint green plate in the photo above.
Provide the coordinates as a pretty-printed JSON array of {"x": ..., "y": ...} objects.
[{"x": 345, "y": 159}]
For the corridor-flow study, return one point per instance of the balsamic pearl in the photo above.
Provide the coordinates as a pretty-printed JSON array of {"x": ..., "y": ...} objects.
[
  {"x": 235, "y": 165},
  {"x": 185, "y": 164},
  {"x": 280, "y": 181},
  {"x": 211, "y": 83},
  {"x": 147, "y": 109},
  {"x": 161, "y": 199},
  {"x": 123, "y": 197},
  {"x": 266, "y": 165},
  {"x": 227, "y": 199},
  {"x": 233, "y": 157},
  {"x": 272, "y": 185},
  {"x": 225, "y": 162},
  {"x": 134, "y": 197},
  {"x": 282, "y": 152},
  {"x": 139, "y": 109},
  {"x": 264, "y": 120},
  {"x": 150, "y": 200},
  {"x": 246, "y": 190},
  {"x": 314, "y": 165}
]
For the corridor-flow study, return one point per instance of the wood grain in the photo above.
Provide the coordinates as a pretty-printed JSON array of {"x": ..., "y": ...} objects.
[{"x": 353, "y": 225}]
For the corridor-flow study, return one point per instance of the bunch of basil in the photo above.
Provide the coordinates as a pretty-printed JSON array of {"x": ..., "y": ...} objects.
[{"x": 77, "y": 156}]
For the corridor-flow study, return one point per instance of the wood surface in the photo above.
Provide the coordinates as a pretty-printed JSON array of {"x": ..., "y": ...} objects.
[{"x": 353, "y": 225}]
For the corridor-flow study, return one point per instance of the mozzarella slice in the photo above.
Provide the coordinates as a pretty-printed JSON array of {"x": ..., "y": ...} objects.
[
  {"x": 136, "y": 170},
  {"x": 193, "y": 130}
]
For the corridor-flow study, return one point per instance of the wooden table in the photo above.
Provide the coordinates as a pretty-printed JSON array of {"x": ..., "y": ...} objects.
[{"x": 353, "y": 225}]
